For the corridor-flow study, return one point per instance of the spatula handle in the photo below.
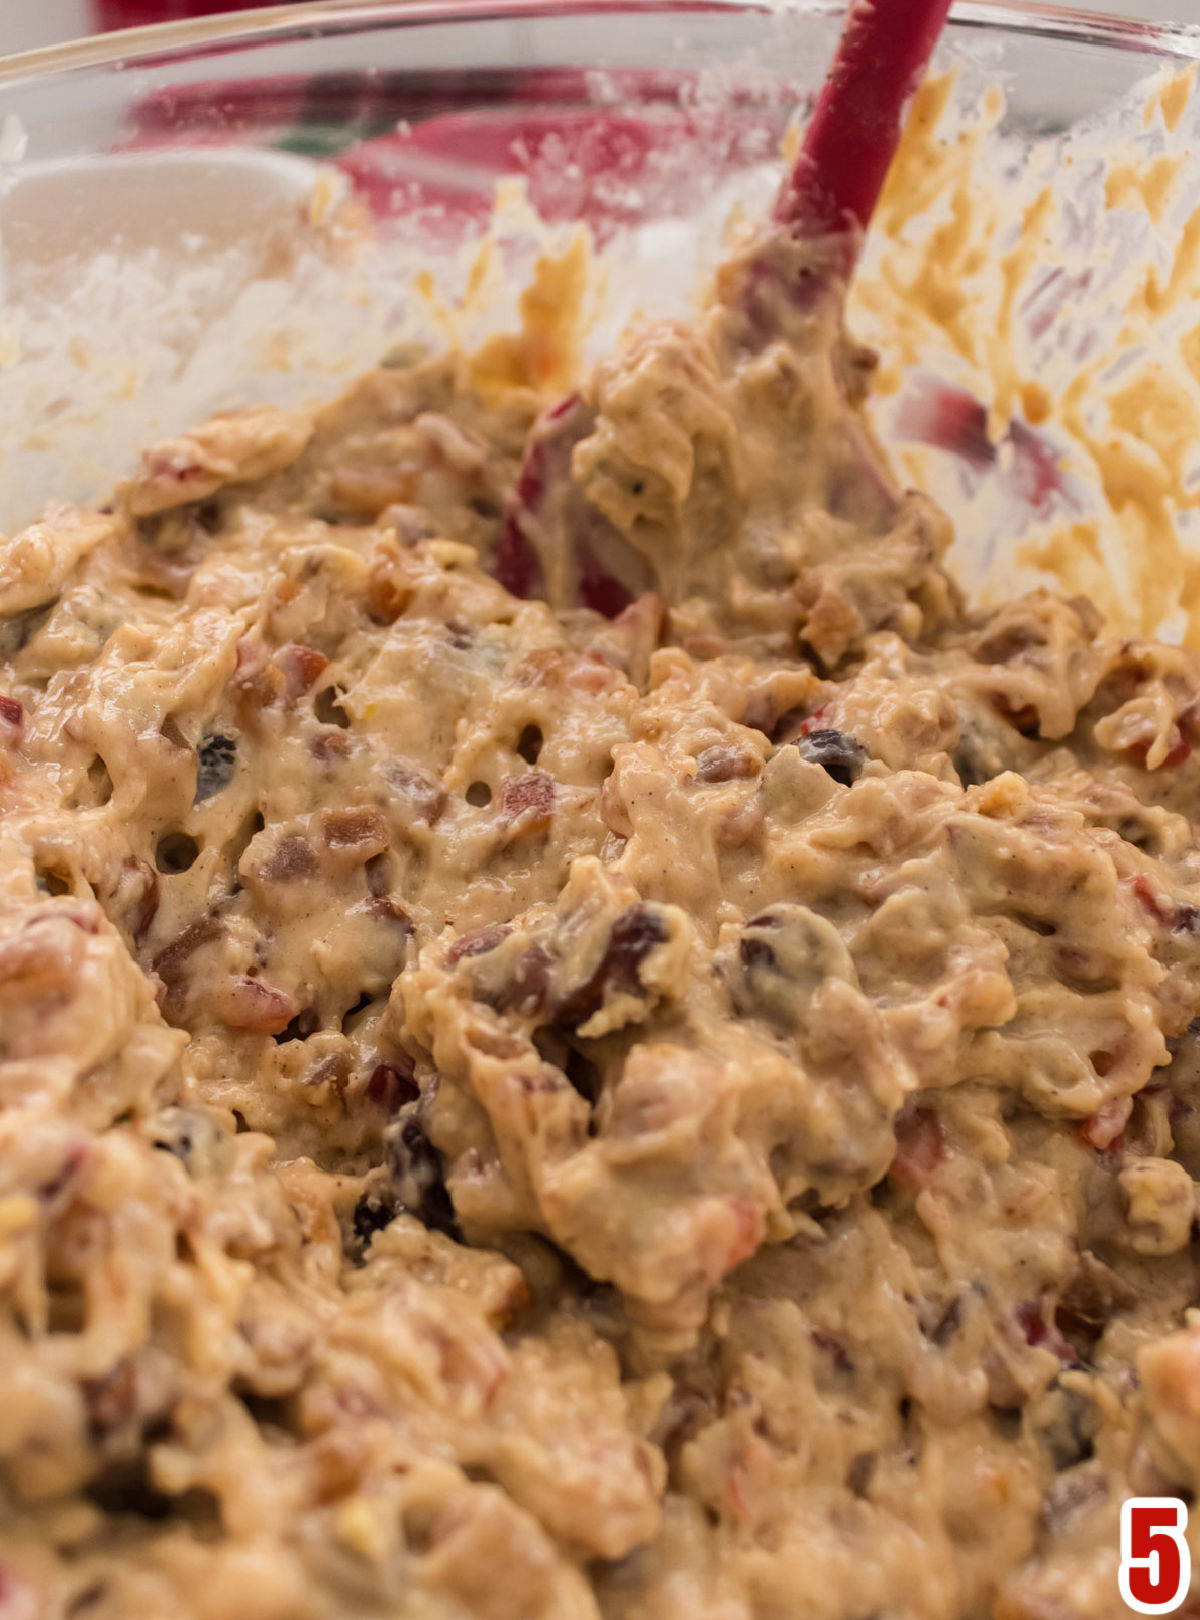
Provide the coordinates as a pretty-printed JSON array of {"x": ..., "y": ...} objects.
[{"x": 856, "y": 126}]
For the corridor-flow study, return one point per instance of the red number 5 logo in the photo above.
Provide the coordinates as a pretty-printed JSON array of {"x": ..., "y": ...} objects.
[{"x": 1156, "y": 1562}]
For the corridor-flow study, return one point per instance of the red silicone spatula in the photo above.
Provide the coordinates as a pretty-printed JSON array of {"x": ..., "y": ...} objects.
[
  {"x": 830, "y": 193},
  {"x": 856, "y": 125}
]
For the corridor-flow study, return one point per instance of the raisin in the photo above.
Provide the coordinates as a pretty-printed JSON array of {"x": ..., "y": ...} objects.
[
  {"x": 144, "y": 887},
  {"x": 948, "y": 1323},
  {"x": 371, "y": 1215},
  {"x": 832, "y": 1347},
  {"x": 861, "y": 1472},
  {"x": 1072, "y": 1496},
  {"x": 634, "y": 935},
  {"x": 1092, "y": 1297},
  {"x": 840, "y": 756},
  {"x": 125, "y": 1487},
  {"x": 754, "y": 952},
  {"x": 920, "y": 1147},
  {"x": 584, "y": 1076},
  {"x": 725, "y": 764},
  {"x": 418, "y": 1178},
  {"x": 171, "y": 963},
  {"x": 477, "y": 942},
  {"x": 11, "y": 710},
  {"x": 217, "y": 761},
  {"x": 391, "y": 1086},
  {"x": 525, "y": 991},
  {"x": 785, "y": 954},
  {"x": 1065, "y": 1423},
  {"x": 111, "y": 1401}
]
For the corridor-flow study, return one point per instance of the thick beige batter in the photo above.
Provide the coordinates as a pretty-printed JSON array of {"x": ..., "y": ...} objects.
[{"x": 506, "y": 1114}]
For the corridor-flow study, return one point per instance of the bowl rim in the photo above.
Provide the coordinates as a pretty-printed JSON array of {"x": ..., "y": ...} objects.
[{"x": 159, "y": 43}]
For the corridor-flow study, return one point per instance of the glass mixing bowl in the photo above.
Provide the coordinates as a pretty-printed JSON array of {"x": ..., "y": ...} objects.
[{"x": 254, "y": 207}]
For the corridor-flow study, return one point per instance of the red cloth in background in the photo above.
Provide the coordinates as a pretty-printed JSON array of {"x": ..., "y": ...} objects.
[{"x": 135, "y": 13}]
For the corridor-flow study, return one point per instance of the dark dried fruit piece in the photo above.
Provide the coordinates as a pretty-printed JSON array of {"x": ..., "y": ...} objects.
[
  {"x": 1093, "y": 1296},
  {"x": 371, "y": 1215},
  {"x": 839, "y": 755},
  {"x": 252, "y": 1005},
  {"x": 171, "y": 963},
  {"x": 1065, "y": 1423},
  {"x": 111, "y": 1401},
  {"x": 786, "y": 953},
  {"x": 477, "y": 942},
  {"x": 634, "y": 935},
  {"x": 525, "y": 991},
  {"x": 723, "y": 763},
  {"x": 216, "y": 763},
  {"x": 920, "y": 1147},
  {"x": 418, "y": 1178},
  {"x": 390, "y": 1087}
]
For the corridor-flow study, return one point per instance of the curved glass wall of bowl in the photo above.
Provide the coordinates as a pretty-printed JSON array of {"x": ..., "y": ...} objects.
[{"x": 256, "y": 207}]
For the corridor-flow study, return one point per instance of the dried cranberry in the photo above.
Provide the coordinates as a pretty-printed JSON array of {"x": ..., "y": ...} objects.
[
  {"x": 527, "y": 802},
  {"x": 11, "y": 711},
  {"x": 1031, "y": 1319},
  {"x": 515, "y": 563},
  {"x": 600, "y": 589}
]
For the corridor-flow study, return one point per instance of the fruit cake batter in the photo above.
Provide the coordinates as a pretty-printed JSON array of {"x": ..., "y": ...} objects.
[{"x": 509, "y": 1112}]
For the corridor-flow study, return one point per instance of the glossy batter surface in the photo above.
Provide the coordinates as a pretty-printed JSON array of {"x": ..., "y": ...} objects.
[{"x": 506, "y": 1113}]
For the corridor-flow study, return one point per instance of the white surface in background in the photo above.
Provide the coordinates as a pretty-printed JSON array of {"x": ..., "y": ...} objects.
[{"x": 27, "y": 24}]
